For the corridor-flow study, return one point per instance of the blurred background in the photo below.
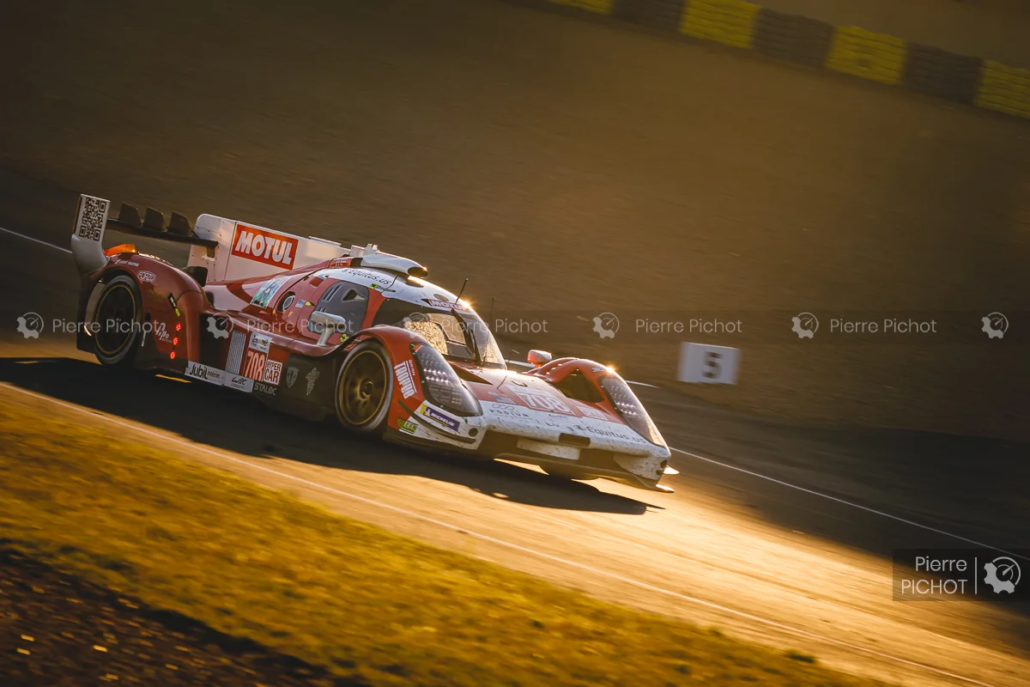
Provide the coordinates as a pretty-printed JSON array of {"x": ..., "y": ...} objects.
[{"x": 567, "y": 169}]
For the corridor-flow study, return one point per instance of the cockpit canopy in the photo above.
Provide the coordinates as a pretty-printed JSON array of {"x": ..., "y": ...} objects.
[{"x": 449, "y": 326}]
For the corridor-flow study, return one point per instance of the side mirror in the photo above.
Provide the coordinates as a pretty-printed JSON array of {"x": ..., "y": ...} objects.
[
  {"x": 325, "y": 325},
  {"x": 537, "y": 358}
]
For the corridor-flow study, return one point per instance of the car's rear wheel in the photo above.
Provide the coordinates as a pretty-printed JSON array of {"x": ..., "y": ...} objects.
[
  {"x": 116, "y": 322},
  {"x": 364, "y": 388}
]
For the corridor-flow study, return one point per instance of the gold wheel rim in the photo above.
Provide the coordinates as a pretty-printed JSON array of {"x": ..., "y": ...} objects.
[{"x": 363, "y": 388}]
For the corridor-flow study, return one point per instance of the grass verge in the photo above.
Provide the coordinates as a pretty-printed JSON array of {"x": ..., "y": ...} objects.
[{"x": 365, "y": 603}]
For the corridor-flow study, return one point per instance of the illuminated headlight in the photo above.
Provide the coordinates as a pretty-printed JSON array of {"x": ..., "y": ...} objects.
[
  {"x": 630, "y": 409},
  {"x": 441, "y": 383}
]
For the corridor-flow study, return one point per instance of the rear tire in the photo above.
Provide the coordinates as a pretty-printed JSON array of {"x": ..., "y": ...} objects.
[
  {"x": 364, "y": 389},
  {"x": 118, "y": 315}
]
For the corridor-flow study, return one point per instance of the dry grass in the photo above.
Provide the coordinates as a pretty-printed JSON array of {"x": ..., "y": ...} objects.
[{"x": 365, "y": 603}]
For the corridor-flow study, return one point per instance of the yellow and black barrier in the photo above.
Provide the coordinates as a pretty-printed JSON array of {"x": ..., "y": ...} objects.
[{"x": 846, "y": 49}]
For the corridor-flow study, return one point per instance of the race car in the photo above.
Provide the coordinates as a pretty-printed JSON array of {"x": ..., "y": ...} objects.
[{"x": 319, "y": 330}]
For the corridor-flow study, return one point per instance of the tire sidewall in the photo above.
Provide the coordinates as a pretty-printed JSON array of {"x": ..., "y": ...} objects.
[
  {"x": 123, "y": 358},
  {"x": 378, "y": 424}
]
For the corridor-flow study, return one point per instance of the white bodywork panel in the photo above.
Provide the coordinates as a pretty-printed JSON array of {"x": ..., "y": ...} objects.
[{"x": 248, "y": 250}]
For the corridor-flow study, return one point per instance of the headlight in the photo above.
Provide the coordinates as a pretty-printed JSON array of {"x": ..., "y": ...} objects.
[
  {"x": 441, "y": 383},
  {"x": 630, "y": 409}
]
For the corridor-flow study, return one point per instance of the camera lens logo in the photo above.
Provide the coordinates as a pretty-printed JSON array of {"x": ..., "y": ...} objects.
[
  {"x": 805, "y": 325},
  {"x": 219, "y": 328},
  {"x": 1003, "y": 574},
  {"x": 606, "y": 325},
  {"x": 30, "y": 325},
  {"x": 995, "y": 325}
]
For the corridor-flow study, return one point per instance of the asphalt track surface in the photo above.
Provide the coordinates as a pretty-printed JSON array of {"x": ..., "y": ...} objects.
[
  {"x": 762, "y": 183},
  {"x": 774, "y": 533}
]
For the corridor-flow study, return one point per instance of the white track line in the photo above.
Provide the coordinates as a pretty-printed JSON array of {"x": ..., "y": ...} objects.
[
  {"x": 848, "y": 503},
  {"x": 500, "y": 542},
  {"x": 739, "y": 469},
  {"x": 35, "y": 240}
]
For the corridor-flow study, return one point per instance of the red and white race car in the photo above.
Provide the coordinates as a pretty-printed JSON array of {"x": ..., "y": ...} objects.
[{"x": 316, "y": 329}]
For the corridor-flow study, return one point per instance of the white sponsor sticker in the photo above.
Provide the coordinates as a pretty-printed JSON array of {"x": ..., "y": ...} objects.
[
  {"x": 240, "y": 383},
  {"x": 594, "y": 413},
  {"x": 206, "y": 374},
  {"x": 260, "y": 342},
  {"x": 405, "y": 378},
  {"x": 273, "y": 371},
  {"x": 544, "y": 402},
  {"x": 146, "y": 276}
]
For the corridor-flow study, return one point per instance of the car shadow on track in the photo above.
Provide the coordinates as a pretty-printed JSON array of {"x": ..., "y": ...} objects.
[{"x": 234, "y": 422}]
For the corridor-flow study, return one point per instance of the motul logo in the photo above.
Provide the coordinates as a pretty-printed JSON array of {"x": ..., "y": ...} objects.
[{"x": 264, "y": 246}]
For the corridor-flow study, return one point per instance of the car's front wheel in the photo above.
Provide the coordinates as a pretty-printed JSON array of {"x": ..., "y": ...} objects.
[
  {"x": 116, "y": 322},
  {"x": 364, "y": 388}
]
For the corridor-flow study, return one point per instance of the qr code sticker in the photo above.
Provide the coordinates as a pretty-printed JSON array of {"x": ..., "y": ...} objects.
[{"x": 92, "y": 216}]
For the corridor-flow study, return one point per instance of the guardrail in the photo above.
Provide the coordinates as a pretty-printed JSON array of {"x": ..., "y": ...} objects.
[{"x": 846, "y": 49}]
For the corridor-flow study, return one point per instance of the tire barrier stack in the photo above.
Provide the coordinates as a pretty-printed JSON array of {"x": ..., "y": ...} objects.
[{"x": 845, "y": 49}]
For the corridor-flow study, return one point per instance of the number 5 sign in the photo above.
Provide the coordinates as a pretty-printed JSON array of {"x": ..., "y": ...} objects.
[{"x": 704, "y": 364}]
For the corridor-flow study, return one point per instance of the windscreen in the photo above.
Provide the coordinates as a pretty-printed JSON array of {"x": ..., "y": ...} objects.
[{"x": 458, "y": 335}]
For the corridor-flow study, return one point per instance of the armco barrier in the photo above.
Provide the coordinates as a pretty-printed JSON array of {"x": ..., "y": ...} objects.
[
  {"x": 655, "y": 14},
  {"x": 846, "y": 49},
  {"x": 597, "y": 6},
  {"x": 727, "y": 21},
  {"x": 1006, "y": 89},
  {"x": 790, "y": 37},
  {"x": 873, "y": 56},
  {"x": 941, "y": 73}
]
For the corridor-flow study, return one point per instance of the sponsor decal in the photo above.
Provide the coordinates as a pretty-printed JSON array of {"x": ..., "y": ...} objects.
[
  {"x": 312, "y": 377},
  {"x": 267, "y": 291},
  {"x": 549, "y": 403},
  {"x": 266, "y": 389},
  {"x": 291, "y": 377},
  {"x": 407, "y": 426},
  {"x": 240, "y": 383},
  {"x": 205, "y": 373},
  {"x": 146, "y": 276},
  {"x": 440, "y": 418},
  {"x": 260, "y": 342},
  {"x": 261, "y": 245},
  {"x": 254, "y": 364},
  {"x": 161, "y": 331},
  {"x": 273, "y": 371},
  {"x": 594, "y": 413},
  {"x": 501, "y": 398},
  {"x": 235, "y": 358},
  {"x": 608, "y": 433},
  {"x": 406, "y": 378},
  {"x": 444, "y": 305},
  {"x": 374, "y": 277}
]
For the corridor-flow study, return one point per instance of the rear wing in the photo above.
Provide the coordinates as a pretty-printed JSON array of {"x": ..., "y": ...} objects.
[{"x": 226, "y": 249}]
